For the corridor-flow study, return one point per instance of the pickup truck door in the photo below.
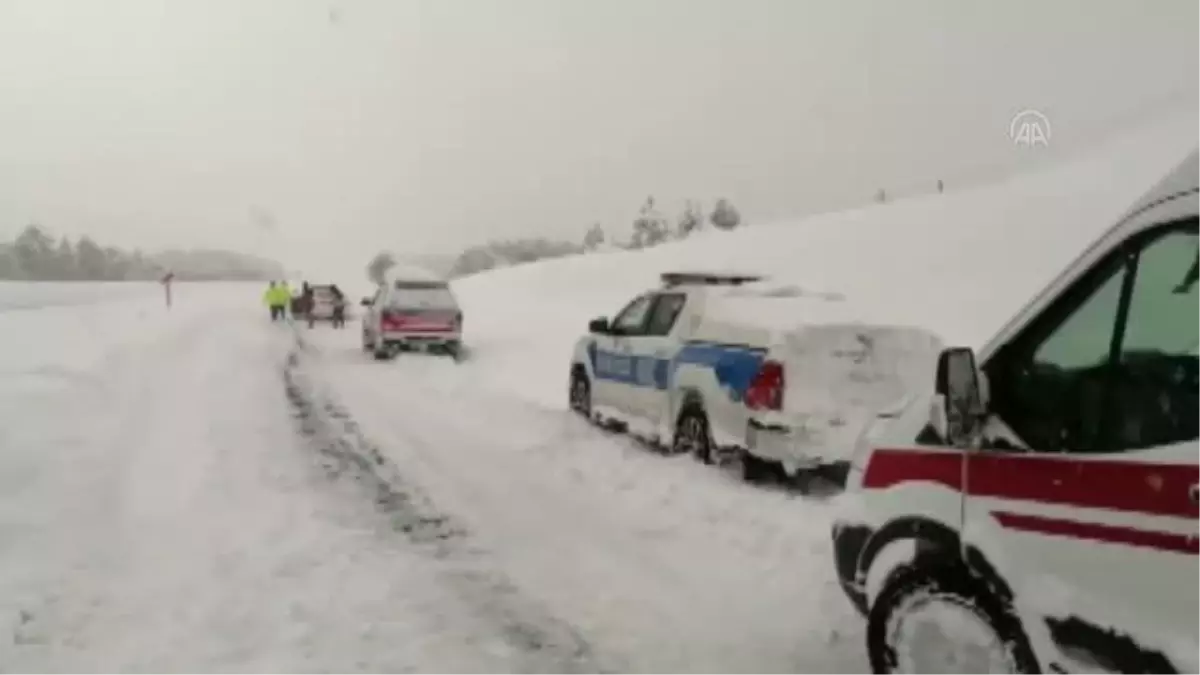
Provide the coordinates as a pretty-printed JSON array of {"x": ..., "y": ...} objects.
[
  {"x": 652, "y": 351},
  {"x": 612, "y": 361}
]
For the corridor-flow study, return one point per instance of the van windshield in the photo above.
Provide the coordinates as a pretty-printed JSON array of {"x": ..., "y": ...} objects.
[{"x": 421, "y": 294}]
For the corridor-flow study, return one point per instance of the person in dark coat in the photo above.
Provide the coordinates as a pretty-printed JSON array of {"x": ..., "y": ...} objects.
[
  {"x": 307, "y": 302},
  {"x": 339, "y": 307}
]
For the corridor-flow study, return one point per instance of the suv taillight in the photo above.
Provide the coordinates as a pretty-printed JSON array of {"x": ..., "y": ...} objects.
[
  {"x": 766, "y": 389},
  {"x": 458, "y": 317}
]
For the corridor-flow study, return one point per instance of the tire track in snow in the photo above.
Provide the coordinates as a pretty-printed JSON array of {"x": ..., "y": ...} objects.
[
  {"x": 672, "y": 567},
  {"x": 346, "y": 453}
]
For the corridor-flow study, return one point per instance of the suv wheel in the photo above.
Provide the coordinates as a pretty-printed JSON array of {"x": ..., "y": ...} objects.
[
  {"x": 943, "y": 620},
  {"x": 692, "y": 435},
  {"x": 383, "y": 352}
]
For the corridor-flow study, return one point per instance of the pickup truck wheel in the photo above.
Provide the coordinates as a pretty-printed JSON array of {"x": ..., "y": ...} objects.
[
  {"x": 692, "y": 435},
  {"x": 753, "y": 469},
  {"x": 928, "y": 619},
  {"x": 580, "y": 395}
]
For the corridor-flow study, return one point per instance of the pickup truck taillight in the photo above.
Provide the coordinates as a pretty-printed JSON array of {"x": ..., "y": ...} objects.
[{"x": 766, "y": 389}]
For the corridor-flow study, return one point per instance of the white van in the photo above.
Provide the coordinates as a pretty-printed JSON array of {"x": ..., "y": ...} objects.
[
  {"x": 412, "y": 311},
  {"x": 1038, "y": 512}
]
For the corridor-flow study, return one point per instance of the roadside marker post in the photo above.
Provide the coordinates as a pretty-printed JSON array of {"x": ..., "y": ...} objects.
[{"x": 166, "y": 282}]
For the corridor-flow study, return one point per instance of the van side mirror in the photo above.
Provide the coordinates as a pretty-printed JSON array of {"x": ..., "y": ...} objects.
[
  {"x": 963, "y": 407},
  {"x": 365, "y": 302},
  {"x": 599, "y": 326}
]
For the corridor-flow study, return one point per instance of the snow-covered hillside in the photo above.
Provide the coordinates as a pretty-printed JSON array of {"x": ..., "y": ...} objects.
[{"x": 959, "y": 263}]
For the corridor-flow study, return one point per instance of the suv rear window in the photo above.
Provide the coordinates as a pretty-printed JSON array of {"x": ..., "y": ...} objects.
[{"x": 421, "y": 294}]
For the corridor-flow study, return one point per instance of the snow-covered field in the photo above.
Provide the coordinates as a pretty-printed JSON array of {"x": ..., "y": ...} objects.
[{"x": 200, "y": 489}]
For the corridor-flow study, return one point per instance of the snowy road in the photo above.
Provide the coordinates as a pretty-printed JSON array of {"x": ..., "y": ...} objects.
[
  {"x": 663, "y": 564},
  {"x": 199, "y": 490}
]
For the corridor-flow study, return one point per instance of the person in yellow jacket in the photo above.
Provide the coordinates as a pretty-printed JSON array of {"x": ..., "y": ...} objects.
[{"x": 277, "y": 297}]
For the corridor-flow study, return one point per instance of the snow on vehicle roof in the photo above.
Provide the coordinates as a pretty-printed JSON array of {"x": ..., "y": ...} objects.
[
  {"x": 409, "y": 272},
  {"x": 773, "y": 313},
  {"x": 707, "y": 277}
]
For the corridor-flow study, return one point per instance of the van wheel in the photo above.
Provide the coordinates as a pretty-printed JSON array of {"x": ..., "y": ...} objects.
[
  {"x": 692, "y": 435},
  {"x": 941, "y": 619},
  {"x": 580, "y": 394}
]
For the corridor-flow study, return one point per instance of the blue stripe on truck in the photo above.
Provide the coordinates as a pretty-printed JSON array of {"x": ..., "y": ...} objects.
[{"x": 733, "y": 365}]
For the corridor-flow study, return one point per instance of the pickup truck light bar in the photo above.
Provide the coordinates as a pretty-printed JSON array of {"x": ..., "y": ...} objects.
[{"x": 670, "y": 279}]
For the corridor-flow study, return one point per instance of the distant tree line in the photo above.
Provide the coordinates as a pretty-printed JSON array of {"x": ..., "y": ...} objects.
[
  {"x": 509, "y": 252},
  {"x": 649, "y": 228},
  {"x": 36, "y": 255},
  {"x": 652, "y": 227}
]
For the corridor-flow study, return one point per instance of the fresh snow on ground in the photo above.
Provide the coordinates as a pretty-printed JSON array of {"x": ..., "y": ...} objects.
[
  {"x": 162, "y": 509},
  {"x": 200, "y": 489},
  {"x": 663, "y": 565}
]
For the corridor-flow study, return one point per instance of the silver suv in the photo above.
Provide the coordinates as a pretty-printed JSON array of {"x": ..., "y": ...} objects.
[{"x": 412, "y": 315}]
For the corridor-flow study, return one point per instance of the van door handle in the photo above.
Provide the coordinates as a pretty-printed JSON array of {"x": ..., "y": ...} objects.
[{"x": 1194, "y": 493}]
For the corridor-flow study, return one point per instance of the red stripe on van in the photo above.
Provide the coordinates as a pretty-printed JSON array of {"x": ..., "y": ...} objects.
[
  {"x": 1114, "y": 484},
  {"x": 1112, "y": 534}
]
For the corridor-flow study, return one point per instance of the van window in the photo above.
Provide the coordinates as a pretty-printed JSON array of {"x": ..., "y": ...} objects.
[
  {"x": 421, "y": 294},
  {"x": 1154, "y": 385},
  {"x": 1112, "y": 364},
  {"x": 1051, "y": 390}
]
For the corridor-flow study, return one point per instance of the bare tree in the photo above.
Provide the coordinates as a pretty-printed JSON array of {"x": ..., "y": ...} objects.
[
  {"x": 724, "y": 215},
  {"x": 594, "y": 237},
  {"x": 650, "y": 227},
  {"x": 691, "y": 220},
  {"x": 379, "y": 266}
]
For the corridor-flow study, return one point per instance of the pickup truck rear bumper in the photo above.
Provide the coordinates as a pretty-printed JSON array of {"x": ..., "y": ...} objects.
[
  {"x": 421, "y": 339},
  {"x": 775, "y": 442}
]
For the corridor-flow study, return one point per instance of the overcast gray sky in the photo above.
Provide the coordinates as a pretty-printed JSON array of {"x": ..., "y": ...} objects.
[{"x": 429, "y": 125}]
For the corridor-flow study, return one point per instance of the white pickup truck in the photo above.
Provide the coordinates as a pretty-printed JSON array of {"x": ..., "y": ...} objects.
[{"x": 720, "y": 364}]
